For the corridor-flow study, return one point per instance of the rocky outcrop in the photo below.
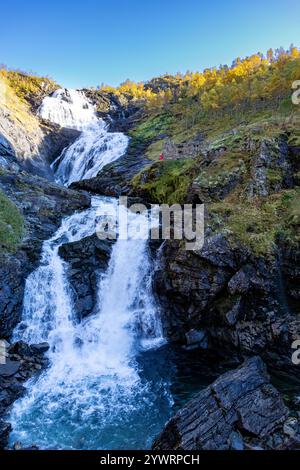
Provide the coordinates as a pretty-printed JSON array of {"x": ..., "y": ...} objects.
[
  {"x": 22, "y": 362},
  {"x": 36, "y": 143},
  {"x": 271, "y": 169},
  {"x": 240, "y": 410},
  {"x": 238, "y": 301},
  {"x": 87, "y": 260},
  {"x": 120, "y": 111},
  {"x": 55, "y": 139},
  {"x": 236, "y": 294},
  {"x": 36, "y": 149},
  {"x": 189, "y": 149}
]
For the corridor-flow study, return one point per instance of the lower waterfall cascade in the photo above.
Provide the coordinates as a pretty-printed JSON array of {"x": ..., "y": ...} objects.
[{"x": 93, "y": 378}]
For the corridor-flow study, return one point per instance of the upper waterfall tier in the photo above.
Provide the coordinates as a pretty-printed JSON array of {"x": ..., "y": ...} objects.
[
  {"x": 94, "y": 148},
  {"x": 69, "y": 108}
]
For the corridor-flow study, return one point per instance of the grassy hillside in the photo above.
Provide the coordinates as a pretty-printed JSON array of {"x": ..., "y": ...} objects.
[
  {"x": 238, "y": 110},
  {"x": 20, "y": 96},
  {"x": 222, "y": 175},
  {"x": 29, "y": 88}
]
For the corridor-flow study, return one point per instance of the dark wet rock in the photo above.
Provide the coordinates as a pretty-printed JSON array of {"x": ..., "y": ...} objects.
[
  {"x": 23, "y": 361},
  {"x": 32, "y": 351},
  {"x": 218, "y": 252},
  {"x": 196, "y": 339},
  {"x": 87, "y": 260},
  {"x": 5, "y": 429},
  {"x": 242, "y": 280},
  {"x": 188, "y": 282},
  {"x": 241, "y": 409},
  {"x": 12, "y": 272},
  {"x": 55, "y": 139},
  {"x": 239, "y": 300},
  {"x": 9, "y": 368},
  {"x": 40, "y": 348}
]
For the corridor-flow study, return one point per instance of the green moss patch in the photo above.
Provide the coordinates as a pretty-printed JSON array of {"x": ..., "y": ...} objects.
[
  {"x": 152, "y": 127},
  {"x": 166, "y": 181},
  {"x": 11, "y": 224},
  {"x": 259, "y": 223}
]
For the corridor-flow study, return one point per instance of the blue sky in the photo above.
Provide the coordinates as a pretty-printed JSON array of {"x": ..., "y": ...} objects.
[{"x": 87, "y": 42}]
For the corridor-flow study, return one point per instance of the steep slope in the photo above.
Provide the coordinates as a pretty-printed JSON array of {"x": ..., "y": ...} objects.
[
  {"x": 241, "y": 291},
  {"x": 230, "y": 139},
  {"x": 36, "y": 143}
]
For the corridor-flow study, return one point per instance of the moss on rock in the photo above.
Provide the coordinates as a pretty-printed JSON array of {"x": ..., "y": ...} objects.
[
  {"x": 260, "y": 223},
  {"x": 11, "y": 224},
  {"x": 166, "y": 181}
]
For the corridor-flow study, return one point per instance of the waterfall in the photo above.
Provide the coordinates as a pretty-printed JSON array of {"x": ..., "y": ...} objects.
[
  {"x": 93, "y": 385},
  {"x": 94, "y": 148},
  {"x": 68, "y": 108},
  {"x": 95, "y": 393}
]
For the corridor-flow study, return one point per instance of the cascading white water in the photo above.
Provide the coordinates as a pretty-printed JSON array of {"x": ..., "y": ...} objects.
[
  {"x": 95, "y": 394},
  {"x": 68, "y": 108},
  {"x": 94, "y": 148},
  {"x": 93, "y": 386}
]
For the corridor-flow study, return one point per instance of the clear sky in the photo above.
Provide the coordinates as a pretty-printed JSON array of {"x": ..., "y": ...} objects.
[{"x": 89, "y": 42}]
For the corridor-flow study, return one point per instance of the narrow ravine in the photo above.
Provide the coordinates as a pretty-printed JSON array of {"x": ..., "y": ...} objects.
[{"x": 94, "y": 394}]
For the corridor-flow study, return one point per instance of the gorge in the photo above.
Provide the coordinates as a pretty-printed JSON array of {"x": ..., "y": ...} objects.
[
  {"x": 93, "y": 390},
  {"x": 109, "y": 338}
]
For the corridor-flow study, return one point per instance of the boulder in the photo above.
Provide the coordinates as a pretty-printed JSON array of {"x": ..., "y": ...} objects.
[
  {"x": 9, "y": 368},
  {"x": 87, "y": 259},
  {"x": 22, "y": 363},
  {"x": 272, "y": 158},
  {"x": 196, "y": 339},
  {"x": 239, "y": 410}
]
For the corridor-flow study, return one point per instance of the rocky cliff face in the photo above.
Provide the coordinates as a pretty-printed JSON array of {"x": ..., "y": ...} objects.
[
  {"x": 22, "y": 362},
  {"x": 240, "y": 292},
  {"x": 235, "y": 301},
  {"x": 36, "y": 143}
]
